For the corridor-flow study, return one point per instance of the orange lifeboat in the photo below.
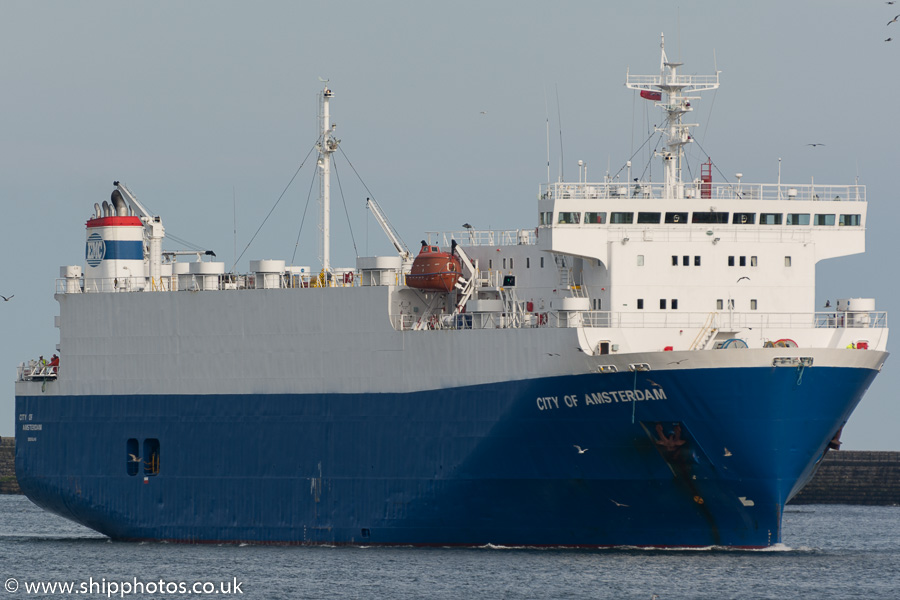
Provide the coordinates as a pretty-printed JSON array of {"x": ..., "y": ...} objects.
[{"x": 434, "y": 270}]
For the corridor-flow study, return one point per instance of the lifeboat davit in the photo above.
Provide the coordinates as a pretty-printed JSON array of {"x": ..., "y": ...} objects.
[{"x": 434, "y": 270}]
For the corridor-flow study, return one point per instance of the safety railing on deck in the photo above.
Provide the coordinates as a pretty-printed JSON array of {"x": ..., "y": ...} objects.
[
  {"x": 604, "y": 319},
  {"x": 716, "y": 191}
]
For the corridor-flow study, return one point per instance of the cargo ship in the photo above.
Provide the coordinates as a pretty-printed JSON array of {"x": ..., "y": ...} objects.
[{"x": 646, "y": 366}]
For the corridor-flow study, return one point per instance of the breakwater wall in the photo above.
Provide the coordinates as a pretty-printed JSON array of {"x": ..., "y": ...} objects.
[
  {"x": 854, "y": 477},
  {"x": 8, "y": 483},
  {"x": 844, "y": 477}
]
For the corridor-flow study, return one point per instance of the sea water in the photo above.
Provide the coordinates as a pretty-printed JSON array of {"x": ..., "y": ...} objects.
[{"x": 828, "y": 552}]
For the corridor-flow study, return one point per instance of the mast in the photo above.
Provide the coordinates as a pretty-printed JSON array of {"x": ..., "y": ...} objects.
[
  {"x": 326, "y": 146},
  {"x": 669, "y": 89}
]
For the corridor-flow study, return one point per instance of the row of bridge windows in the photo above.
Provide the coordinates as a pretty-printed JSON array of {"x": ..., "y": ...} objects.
[
  {"x": 673, "y": 303},
  {"x": 705, "y": 217}
]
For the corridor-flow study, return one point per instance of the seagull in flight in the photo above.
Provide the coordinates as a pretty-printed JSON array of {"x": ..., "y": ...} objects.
[
  {"x": 618, "y": 503},
  {"x": 135, "y": 458},
  {"x": 580, "y": 450},
  {"x": 5, "y": 299},
  {"x": 889, "y": 39},
  {"x": 727, "y": 452},
  {"x": 817, "y": 144},
  {"x": 677, "y": 362},
  {"x": 744, "y": 277},
  {"x": 467, "y": 226},
  {"x": 894, "y": 20},
  {"x": 484, "y": 112}
]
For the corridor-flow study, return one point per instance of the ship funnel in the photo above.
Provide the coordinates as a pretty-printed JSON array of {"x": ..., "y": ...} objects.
[
  {"x": 105, "y": 208},
  {"x": 121, "y": 209},
  {"x": 96, "y": 210}
]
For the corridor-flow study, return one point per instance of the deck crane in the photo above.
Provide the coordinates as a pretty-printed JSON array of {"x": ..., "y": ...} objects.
[
  {"x": 153, "y": 228},
  {"x": 405, "y": 255}
]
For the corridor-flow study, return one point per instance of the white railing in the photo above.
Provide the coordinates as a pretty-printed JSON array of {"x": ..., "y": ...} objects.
[
  {"x": 711, "y": 191},
  {"x": 604, "y": 319},
  {"x": 478, "y": 237}
]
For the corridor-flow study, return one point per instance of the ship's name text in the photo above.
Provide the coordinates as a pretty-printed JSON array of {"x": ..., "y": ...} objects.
[{"x": 591, "y": 398}]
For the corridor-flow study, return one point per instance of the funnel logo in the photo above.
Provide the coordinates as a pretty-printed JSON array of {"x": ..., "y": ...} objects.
[{"x": 95, "y": 249}]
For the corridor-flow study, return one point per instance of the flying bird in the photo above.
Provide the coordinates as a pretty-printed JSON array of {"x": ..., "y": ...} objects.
[
  {"x": 484, "y": 112},
  {"x": 889, "y": 39},
  {"x": 467, "y": 226},
  {"x": 135, "y": 458},
  {"x": 580, "y": 451},
  {"x": 677, "y": 362},
  {"x": 744, "y": 277},
  {"x": 618, "y": 503},
  {"x": 727, "y": 452},
  {"x": 814, "y": 145},
  {"x": 5, "y": 299},
  {"x": 894, "y": 20}
]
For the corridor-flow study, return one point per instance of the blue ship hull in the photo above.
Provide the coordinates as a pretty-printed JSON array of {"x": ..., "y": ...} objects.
[{"x": 485, "y": 464}]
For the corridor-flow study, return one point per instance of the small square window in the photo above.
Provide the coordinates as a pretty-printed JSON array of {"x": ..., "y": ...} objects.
[
  {"x": 753, "y": 305},
  {"x": 504, "y": 263},
  {"x": 674, "y": 261},
  {"x": 527, "y": 262},
  {"x": 787, "y": 261},
  {"x": 640, "y": 260},
  {"x": 685, "y": 260},
  {"x": 542, "y": 262},
  {"x": 752, "y": 261},
  {"x": 719, "y": 304},
  {"x": 730, "y": 261},
  {"x": 696, "y": 261},
  {"x": 743, "y": 261},
  {"x": 662, "y": 304},
  {"x": 731, "y": 304},
  {"x": 640, "y": 304},
  {"x": 510, "y": 263},
  {"x": 675, "y": 304}
]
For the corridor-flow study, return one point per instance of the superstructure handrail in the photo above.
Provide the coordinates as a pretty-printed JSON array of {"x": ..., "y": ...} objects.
[{"x": 716, "y": 191}]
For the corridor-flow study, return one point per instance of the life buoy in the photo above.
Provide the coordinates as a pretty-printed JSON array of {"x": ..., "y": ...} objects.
[
  {"x": 348, "y": 277},
  {"x": 542, "y": 319}
]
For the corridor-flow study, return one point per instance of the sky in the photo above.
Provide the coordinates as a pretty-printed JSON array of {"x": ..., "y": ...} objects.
[{"x": 206, "y": 109}]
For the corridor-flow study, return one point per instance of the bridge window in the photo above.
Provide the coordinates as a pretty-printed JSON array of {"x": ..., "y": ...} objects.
[
  {"x": 743, "y": 218},
  {"x": 677, "y": 217},
  {"x": 595, "y": 218},
  {"x": 849, "y": 220},
  {"x": 709, "y": 217},
  {"x": 649, "y": 217},
  {"x": 770, "y": 218},
  {"x": 569, "y": 218},
  {"x": 621, "y": 217},
  {"x": 798, "y": 219},
  {"x": 824, "y": 220},
  {"x": 546, "y": 218}
]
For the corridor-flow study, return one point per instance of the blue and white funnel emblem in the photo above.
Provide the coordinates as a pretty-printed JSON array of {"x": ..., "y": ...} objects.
[{"x": 95, "y": 250}]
